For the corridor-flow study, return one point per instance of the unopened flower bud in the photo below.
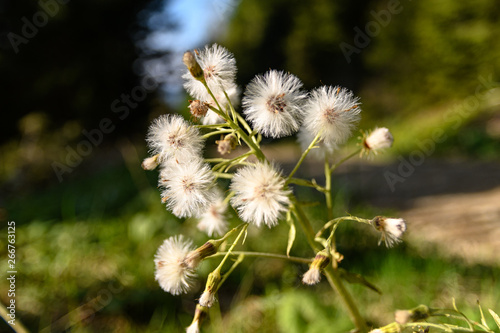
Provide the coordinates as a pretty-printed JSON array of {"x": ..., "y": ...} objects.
[
  {"x": 227, "y": 145},
  {"x": 208, "y": 297},
  {"x": 391, "y": 229},
  {"x": 313, "y": 275},
  {"x": 421, "y": 312},
  {"x": 194, "y": 258},
  {"x": 198, "y": 108},
  {"x": 380, "y": 138},
  {"x": 194, "y": 68},
  {"x": 150, "y": 163}
]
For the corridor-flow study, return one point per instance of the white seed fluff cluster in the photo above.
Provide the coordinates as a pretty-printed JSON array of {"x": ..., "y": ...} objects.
[
  {"x": 260, "y": 196},
  {"x": 331, "y": 111},
  {"x": 391, "y": 229},
  {"x": 273, "y": 103},
  {"x": 207, "y": 299},
  {"x": 213, "y": 221},
  {"x": 312, "y": 276},
  {"x": 172, "y": 273},
  {"x": 219, "y": 70},
  {"x": 379, "y": 138},
  {"x": 187, "y": 187},
  {"x": 173, "y": 138}
]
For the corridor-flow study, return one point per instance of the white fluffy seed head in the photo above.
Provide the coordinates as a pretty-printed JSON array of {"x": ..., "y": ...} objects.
[
  {"x": 173, "y": 138},
  {"x": 391, "y": 229},
  {"x": 312, "y": 276},
  {"x": 260, "y": 196},
  {"x": 219, "y": 70},
  {"x": 172, "y": 273},
  {"x": 333, "y": 111},
  {"x": 379, "y": 138},
  {"x": 187, "y": 187},
  {"x": 207, "y": 299},
  {"x": 273, "y": 103},
  {"x": 213, "y": 221}
]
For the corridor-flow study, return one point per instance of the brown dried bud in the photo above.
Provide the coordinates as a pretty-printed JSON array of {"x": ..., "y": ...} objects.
[
  {"x": 194, "y": 68},
  {"x": 227, "y": 145},
  {"x": 198, "y": 108}
]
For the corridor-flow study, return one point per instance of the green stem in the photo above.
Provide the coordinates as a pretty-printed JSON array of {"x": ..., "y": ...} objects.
[
  {"x": 307, "y": 183},
  {"x": 303, "y": 156},
  {"x": 266, "y": 255},
  {"x": 347, "y": 300},
  {"x": 242, "y": 231},
  {"x": 305, "y": 224},
  {"x": 331, "y": 274},
  {"x": 334, "y": 166},
  {"x": 335, "y": 222},
  {"x": 230, "y": 270},
  {"x": 328, "y": 189},
  {"x": 223, "y": 131},
  {"x": 253, "y": 146}
]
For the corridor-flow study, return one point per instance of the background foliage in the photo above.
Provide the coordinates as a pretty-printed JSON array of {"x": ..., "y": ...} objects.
[{"x": 85, "y": 246}]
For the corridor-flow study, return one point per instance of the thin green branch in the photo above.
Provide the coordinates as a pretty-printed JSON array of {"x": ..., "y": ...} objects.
[{"x": 265, "y": 255}]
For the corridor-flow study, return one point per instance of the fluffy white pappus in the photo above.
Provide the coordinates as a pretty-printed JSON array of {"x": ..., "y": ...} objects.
[
  {"x": 219, "y": 69},
  {"x": 194, "y": 327},
  {"x": 379, "y": 138},
  {"x": 333, "y": 111},
  {"x": 312, "y": 276},
  {"x": 273, "y": 103},
  {"x": 171, "y": 272},
  {"x": 391, "y": 229},
  {"x": 260, "y": 194},
  {"x": 187, "y": 187},
  {"x": 207, "y": 299},
  {"x": 172, "y": 137},
  {"x": 213, "y": 221}
]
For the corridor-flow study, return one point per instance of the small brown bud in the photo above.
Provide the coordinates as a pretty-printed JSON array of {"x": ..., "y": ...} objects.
[
  {"x": 194, "y": 68},
  {"x": 227, "y": 145},
  {"x": 198, "y": 108}
]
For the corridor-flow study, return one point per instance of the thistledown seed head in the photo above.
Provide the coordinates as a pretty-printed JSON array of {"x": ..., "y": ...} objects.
[
  {"x": 260, "y": 194},
  {"x": 187, "y": 187},
  {"x": 333, "y": 112},
  {"x": 219, "y": 70},
  {"x": 273, "y": 103},
  {"x": 379, "y": 138},
  {"x": 171, "y": 272},
  {"x": 173, "y": 138},
  {"x": 213, "y": 221}
]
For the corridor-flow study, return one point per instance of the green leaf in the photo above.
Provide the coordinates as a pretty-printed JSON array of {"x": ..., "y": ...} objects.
[
  {"x": 495, "y": 317},
  {"x": 359, "y": 279},
  {"x": 291, "y": 234},
  {"x": 483, "y": 320}
]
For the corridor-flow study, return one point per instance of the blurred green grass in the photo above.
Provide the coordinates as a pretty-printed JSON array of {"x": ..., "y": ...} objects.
[{"x": 88, "y": 267}]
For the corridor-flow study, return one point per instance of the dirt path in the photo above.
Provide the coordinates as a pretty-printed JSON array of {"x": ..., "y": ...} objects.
[{"x": 451, "y": 206}]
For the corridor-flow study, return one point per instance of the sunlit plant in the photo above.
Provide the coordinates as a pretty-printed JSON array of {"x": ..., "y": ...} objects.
[{"x": 274, "y": 105}]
